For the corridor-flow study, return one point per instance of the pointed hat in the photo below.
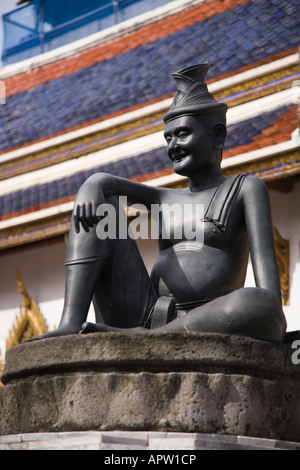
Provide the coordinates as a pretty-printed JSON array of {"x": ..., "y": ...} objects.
[{"x": 192, "y": 96}]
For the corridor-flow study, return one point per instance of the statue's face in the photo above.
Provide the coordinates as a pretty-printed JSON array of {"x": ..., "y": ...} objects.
[{"x": 190, "y": 148}]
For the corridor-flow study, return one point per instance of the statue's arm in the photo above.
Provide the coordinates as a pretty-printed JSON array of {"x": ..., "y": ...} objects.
[
  {"x": 97, "y": 187},
  {"x": 260, "y": 235}
]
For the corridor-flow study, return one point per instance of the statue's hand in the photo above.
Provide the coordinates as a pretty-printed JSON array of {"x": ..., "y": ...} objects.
[
  {"x": 85, "y": 214},
  {"x": 89, "y": 197}
]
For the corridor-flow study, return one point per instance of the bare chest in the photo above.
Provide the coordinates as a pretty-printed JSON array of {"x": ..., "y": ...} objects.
[{"x": 182, "y": 217}]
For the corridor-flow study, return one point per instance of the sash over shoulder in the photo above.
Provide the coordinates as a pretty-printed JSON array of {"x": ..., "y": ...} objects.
[{"x": 223, "y": 200}]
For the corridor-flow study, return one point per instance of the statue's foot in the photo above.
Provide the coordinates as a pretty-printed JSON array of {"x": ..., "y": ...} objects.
[
  {"x": 61, "y": 331},
  {"x": 101, "y": 327},
  {"x": 95, "y": 327}
]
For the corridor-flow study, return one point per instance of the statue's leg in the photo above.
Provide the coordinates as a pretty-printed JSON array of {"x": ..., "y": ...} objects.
[
  {"x": 85, "y": 260},
  {"x": 110, "y": 271},
  {"x": 252, "y": 312},
  {"x": 124, "y": 294}
]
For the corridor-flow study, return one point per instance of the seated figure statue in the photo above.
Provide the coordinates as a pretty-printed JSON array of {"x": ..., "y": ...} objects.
[{"x": 193, "y": 286}]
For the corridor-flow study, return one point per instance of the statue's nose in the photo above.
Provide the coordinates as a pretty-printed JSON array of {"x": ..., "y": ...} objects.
[{"x": 173, "y": 145}]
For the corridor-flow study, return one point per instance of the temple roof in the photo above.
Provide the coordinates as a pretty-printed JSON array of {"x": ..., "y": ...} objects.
[{"x": 97, "y": 105}]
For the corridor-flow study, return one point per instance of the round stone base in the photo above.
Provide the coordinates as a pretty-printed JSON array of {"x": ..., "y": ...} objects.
[{"x": 166, "y": 382}]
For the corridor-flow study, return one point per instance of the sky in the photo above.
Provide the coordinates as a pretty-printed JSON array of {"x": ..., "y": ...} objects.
[{"x": 5, "y": 6}]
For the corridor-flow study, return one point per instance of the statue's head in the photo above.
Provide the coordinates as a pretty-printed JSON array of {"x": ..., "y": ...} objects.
[
  {"x": 193, "y": 98},
  {"x": 196, "y": 112}
]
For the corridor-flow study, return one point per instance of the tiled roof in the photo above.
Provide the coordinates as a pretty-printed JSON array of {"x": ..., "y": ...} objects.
[
  {"x": 130, "y": 72},
  {"x": 261, "y": 131},
  {"x": 136, "y": 75},
  {"x": 247, "y": 21},
  {"x": 242, "y": 134}
]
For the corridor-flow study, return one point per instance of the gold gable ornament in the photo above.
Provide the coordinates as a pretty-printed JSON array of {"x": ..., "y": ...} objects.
[{"x": 30, "y": 323}]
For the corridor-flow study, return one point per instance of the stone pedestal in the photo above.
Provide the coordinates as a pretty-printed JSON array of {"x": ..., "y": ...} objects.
[{"x": 162, "y": 382}]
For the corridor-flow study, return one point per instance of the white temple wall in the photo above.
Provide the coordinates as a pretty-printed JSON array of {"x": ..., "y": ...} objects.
[{"x": 286, "y": 218}]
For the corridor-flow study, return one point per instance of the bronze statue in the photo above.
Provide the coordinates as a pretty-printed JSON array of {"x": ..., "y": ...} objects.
[{"x": 194, "y": 285}]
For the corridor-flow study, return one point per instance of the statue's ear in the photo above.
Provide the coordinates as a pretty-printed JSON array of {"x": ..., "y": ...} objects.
[{"x": 219, "y": 131}]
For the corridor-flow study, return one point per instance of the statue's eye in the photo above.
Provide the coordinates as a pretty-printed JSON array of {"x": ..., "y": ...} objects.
[{"x": 183, "y": 134}]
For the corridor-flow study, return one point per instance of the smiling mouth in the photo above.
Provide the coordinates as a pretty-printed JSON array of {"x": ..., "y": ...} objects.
[{"x": 178, "y": 158}]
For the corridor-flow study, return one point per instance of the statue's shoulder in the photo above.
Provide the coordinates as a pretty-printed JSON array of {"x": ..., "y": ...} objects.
[
  {"x": 254, "y": 188},
  {"x": 251, "y": 181}
]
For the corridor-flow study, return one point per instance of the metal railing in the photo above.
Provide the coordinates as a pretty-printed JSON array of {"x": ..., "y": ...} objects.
[{"x": 43, "y": 25}]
